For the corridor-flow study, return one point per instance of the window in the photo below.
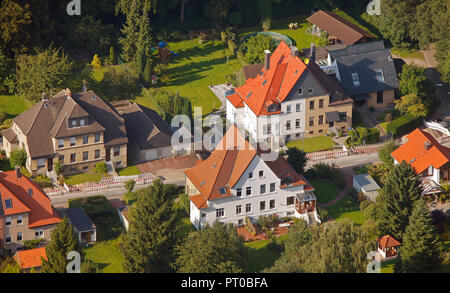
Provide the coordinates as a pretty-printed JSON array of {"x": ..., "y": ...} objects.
[
  {"x": 97, "y": 137},
  {"x": 222, "y": 190},
  {"x": 297, "y": 123},
  {"x": 8, "y": 204},
  {"x": 39, "y": 233},
  {"x": 262, "y": 189},
  {"x": 61, "y": 159},
  {"x": 288, "y": 109},
  {"x": 430, "y": 171},
  {"x": 320, "y": 119},
  {"x": 272, "y": 187},
  {"x": 40, "y": 163},
  {"x": 288, "y": 125},
  {"x": 8, "y": 221},
  {"x": 343, "y": 116},
  {"x": 19, "y": 236},
  {"x": 203, "y": 215},
  {"x": 8, "y": 239},
  {"x": 380, "y": 97},
  {"x": 81, "y": 122},
  {"x": 311, "y": 121},
  {"x": 220, "y": 213},
  {"x": 288, "y": 137},
  {"x": 379, "y": 74},
  {"x": 97, "y": 154},
  {"x": 248, "y": 190},
  {"x": 355, "y": 79},
  {"x": 73, "y": 123},
  {"x": 250, "y": 175},
  {"x": 261, "y": 174},
  {"x": 116, "y": 151},
  {"x": 72, "y": 141},
  {"x": 30, "y": 192},
  {"x": 248, "y": 208},
  {"x": 310, "y": 91},
  {"x": 60, "y": 143},
  {"x": 85, "y": 156},
  {"x": 238, "y": 210},
  {"x": 267, "y": 128},
  {"x": 321, "y": 103},
  {"x": 262, "y": 205},
  {"x": 73, "y": 158},
  {"x": 290, "y": 200},
  {"x": 239, "y": 192},
  {"x": 311, "y": 105},
  {"x": 272, "y": 204},
  {"x": 298, "y": 107},
  {"x": 19, "y": 220},
  {"x": 300, "y": 91},
  {"x": 85, "y": 139}
]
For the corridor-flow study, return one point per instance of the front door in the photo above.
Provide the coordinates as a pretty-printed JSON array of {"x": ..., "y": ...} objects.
[
  {"x": 50, "y": 164},
  {"x": 108, "y": 155}
]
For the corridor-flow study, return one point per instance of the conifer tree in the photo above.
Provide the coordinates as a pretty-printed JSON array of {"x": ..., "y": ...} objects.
[
  {"x": 147, "y": 76},
  {"x": 112, "y": 55},
  {"x": 96, "y": 62},
  {"x": 140, "y": 63},
  {"x": 187, "y": 108},
  {"x": 394, "y": 204},
  {"x": 130, "y": 33},
  {"x": 63, "y": 241},
  {"x": 421, "y": 250},
  {"x": 148, "y": 243}
]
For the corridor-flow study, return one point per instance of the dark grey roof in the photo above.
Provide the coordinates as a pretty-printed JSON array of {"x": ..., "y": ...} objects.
[
  {"x": 79, "y": 219},
  {"x": 364, "y": 59},
  {"x": 366, "y": 181}
]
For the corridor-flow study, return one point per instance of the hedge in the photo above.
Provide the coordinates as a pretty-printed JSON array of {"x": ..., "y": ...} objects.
[{"x": 403, "y": 124}]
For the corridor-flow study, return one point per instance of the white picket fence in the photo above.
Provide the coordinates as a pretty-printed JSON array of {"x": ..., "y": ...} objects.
[
  {"x": 436, "y": 126},
  {"x": 345, "y": 153}
]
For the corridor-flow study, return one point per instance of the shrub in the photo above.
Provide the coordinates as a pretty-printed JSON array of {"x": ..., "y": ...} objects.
[
  {"x": 267, "y": 24},
  {"x": 325, "y": 171},
  {"x": 43, "y": 181},
  {"x": 323, "y": 214},
  {"x": 58, "y": 167},
  {"x": 130, "y": 197},
  {"x": 30, "y": 244},
  {"x": 101, "y": 168},
  {"x": 255, "y": 46},
  {"x": 403, "y": 124},
  {"x": 184, "y": 202},
  {"x": 264, "y": 222},
  {"x": 223, "y": 36},
  {"x": 25, "y": 172},
  {"x": 3, "y": 115},
  {"x": 96, "y": 62},
  {"x": 18, "y": 157},
  {"x": 129, "y": 185}
]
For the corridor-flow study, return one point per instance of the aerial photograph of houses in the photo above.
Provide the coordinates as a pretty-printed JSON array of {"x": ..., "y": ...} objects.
[{"x": 224, "y": 136}]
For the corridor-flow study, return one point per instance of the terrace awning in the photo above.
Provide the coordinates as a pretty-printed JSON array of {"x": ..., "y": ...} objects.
[
  {"x": 332, "y": 116},
  {"x": 306, "y": 196}
]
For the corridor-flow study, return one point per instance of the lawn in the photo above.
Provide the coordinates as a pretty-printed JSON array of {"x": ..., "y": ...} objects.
[
  {"x": 196, "y": 67},
  {"x": 13, "y": 105},
  {"x": 5, "y": 165},
  {"x": 183, "y": 220},
  {"x": 325, "y": 190},
  {"x": 82, "y": 178},
  {"x": 387, "y": 267},
  {"x": 346, "y": 208},
  {"x": 129, "y": 171},
  {"x": 313, "y": 144},
  {"x": 259, "y": 256},
  {"x": 106, "y": 255},
  {"x": 408, "y": 53}
]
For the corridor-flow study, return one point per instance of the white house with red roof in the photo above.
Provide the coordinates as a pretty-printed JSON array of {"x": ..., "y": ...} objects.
[
  {"x": 238, "y": 180},
  {"x": 429, "y": 158}
]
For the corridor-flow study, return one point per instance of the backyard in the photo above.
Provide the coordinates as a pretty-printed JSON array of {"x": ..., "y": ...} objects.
[
  {"x": 312, "y": 144},
  {"x": 82, "y": 178},
  {"x": 13, "y": 105},
  {"x": 260, "y": 255},
  {"x": 325, "y": 190},
  {"x": 346, "y": 208}
]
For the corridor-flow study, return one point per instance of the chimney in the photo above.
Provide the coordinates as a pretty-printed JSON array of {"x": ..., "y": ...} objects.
[
  {"x": 312, "y": 52},
  {"x": 44, "y": 97},
  {"x": 267, "y": 59},
  {"x": 69, "y": 93},
  {"x": 427, "y": 145},
  {"x": 295, "y": 51},
  {"x": 18, "y": 174},
  {"x": 84, "y": 88}
]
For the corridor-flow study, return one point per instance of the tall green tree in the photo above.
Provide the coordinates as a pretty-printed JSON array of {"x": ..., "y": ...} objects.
[
  {"x": 130, "y": 33},
  {"x": 414, "y": 81},
  {"x": 217, "y": 11},
  {"x": 385, "y": 153},
  {"x": 147, "y": 75},
  {"x": 215, "y": 249},
  {"x": 46, "y": 71},
  {"x": 63, "y": 241},
  {"x": 14, "y": 22},
  {"x": 402, "y": 187},
  {"x": 421, "y": 249},
  {"x": 297, "y": 159},
  {"x": 147, "y": 246}
]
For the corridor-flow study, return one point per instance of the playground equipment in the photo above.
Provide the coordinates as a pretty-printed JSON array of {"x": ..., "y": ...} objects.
[{"x": 163, "y": 52}]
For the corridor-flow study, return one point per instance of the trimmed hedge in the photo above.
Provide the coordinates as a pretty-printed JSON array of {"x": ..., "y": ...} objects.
[
  {"x": 403, "y": 124},
  {"x": 369, "y": 135}
]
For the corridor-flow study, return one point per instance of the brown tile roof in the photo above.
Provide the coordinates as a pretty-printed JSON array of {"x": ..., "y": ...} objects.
[
  {"x": 10, "y": 135},
  {"x": 39, "y": 206},
  {"x": 251, "y": 71},
  {"x": 47, "y": 119},
  {"x": 388, "y": 241},
  {"x": 30, "y": 258},
  {"x": 337, "y": 26}
]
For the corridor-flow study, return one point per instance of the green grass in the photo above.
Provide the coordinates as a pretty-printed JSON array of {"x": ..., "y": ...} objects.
[
  {"x": 13, "y": 105},
  {"x": 346, "y": 208},
  {"x": 313, "y": 144},
  {"x": 384, "y": 126},
  {"x": 260, "y": 256},
  {"x": 106, "y": 255},
  {"x": 408, "y": 53},
  {"x": 387, "y": 267},
  {"x": 183, "y": 221},
  {"x": 129, "y": 171},
  {"x": 325, "y": 190},
  {"x": 82, "y": 178}
]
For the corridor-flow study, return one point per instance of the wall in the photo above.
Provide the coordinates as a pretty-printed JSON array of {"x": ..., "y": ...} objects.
[{"x": 388, "y": 97}]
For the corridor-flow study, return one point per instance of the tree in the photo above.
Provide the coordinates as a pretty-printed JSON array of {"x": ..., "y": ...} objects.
[
  {"x": 140, "y": 63},
  {"x": 215, "y": 249},
  {"x": 217, "y": 11},
  {"x": 18, "y": 157},
  {"x": 14, "y": 22},
  {"x": 255, "y": 46},
  {"x": 385, "y": 153},
  {"x": 130, "y": 33},
  {"x": 147, "y": 75},
  {"x": 147, "y": 247},
  {"x": 297, "y": 159},
  {"x": 96, "y": 62},
  {"x": 401, "y": 189},
  {"x": 414, "y": 81},
  {"x": 421, "y": 249},
  {"x": 129, "y": 185},
  {"x": 6, "y": 73},
  {"x": 112, "y": 55},
  {"x": 412, "y": 104},
  {"x": 63, "y": 241},
  {"x": 119, "y": 83},
  {"x": 9, "y": 265},
  {"x": 44, "y": 72}
]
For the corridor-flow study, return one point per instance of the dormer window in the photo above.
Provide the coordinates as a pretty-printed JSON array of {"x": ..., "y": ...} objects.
[
  {"x": 73, "y": 123},
  {"x": 81, "y": 122},
  {"x": 8, "y": 204},
  {"x": 300, "y": 91},
  {"x": 222, "y": 191},
  {"x": 379, "y": 74},
  {"x": 355, "y": 79},
  {"x": 30, "y": 192}
]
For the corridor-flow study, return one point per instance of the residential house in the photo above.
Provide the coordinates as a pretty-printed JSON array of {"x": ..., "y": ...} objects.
[
  {"x": 83, "y": 226},
  {"x": 364, "y": 183},
  {"x": 339, "y": 29},
  {"x": 366, "y": 72},
  {"x": 289, "y": 99},
  {"x": 77, "y": 130},
  {"x": 428, "y": 157},
  {"x": 388, "y": 247},
  {"x": 239, "y": 180},
  {"x": 26, "y": 213},
  {"x": 30, "y": 258}
]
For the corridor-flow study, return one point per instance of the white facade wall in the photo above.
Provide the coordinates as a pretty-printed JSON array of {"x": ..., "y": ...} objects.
[{"x": 436, "y": 177}]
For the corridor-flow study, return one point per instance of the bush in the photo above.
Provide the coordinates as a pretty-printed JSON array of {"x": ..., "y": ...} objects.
[
  {"x": 3, "y": 116},
  {"x": 43, "y": 181},
  {"x": 255, "y": 46},
  {"x": 18, "y": 157},
  {"x": 323, "y": 214},
  {"x": 223, "y": 36},
  {"x": 129, "y": 185},
  {"x": 267, "y": 24},
  {"x": 25, "y": 172},
  {"x": 30, "y": 244},
  {"x": 130, "y": 197},
  {"x": 101, "y": 168},
  {"x": 403, "y": 124},
  {"x": 363, "y": 135},
  {"x": 264, "y": 222},
  {"x": 325, "y": 171},
  {"x": 184, "y": 202}
]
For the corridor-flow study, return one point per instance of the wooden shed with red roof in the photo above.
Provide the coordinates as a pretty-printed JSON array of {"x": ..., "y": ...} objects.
[{"x": 388, "y": 246}]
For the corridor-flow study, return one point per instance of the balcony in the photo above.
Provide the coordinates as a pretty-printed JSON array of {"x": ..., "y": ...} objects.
[{"x": 305, "y": 202}]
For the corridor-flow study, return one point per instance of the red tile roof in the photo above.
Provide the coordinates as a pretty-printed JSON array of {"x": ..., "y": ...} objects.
[
  {"x": 415, "y": 153},
  {"x": 30, "y": 258},
  {"x": 388, "y": 241},
  {"x": 38, "y": 205}
]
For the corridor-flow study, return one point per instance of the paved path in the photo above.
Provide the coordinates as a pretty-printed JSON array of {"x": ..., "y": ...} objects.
[{"x": 348, "y": 174}]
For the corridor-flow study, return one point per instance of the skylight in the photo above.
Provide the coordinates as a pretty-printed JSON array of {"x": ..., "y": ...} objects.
[
  {"x": 355, "y": 79},
  {"x": 379, "y": 74},
  {"x": 249, "y": 94},
  {"x": 213, "y": 166},
  {"x": 264, "y": 82},
  {"x": 8, "y": 203},
  {"x": 222, "y": 190},
  {"x": 202, "y": 183}
]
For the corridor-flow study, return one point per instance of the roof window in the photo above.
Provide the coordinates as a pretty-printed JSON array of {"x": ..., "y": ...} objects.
[
  {"x": 355, "y": 79},
  {"x": 8, "y": 204},
  {"x": 222, "y": 190},
  {"x": 379, "y": 74}
]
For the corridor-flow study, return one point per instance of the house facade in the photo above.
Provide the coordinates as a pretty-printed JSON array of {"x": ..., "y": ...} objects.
[
  {"x": 289, "y": 99},
  {"x": 77, "y": 131},
  {"x": 26, "y": 213},
  {"x": 239, "y": 181},
  {"x": 428, "y": 157}
]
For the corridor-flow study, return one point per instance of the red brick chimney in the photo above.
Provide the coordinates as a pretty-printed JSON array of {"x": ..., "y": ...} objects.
[{"x": 18, "y": 174}]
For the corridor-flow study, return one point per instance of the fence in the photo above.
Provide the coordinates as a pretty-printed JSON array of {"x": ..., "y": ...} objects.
[
  {"x": 436, "y": 126},
  {"x": 345, "y": 153}
]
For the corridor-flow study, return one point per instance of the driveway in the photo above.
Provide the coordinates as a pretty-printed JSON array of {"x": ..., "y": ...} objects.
[
  {"x": 219, "y": 91},
  {"x": 169, "y": 169}
]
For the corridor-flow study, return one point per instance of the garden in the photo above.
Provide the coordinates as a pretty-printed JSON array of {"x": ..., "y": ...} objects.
[{"x": 313, "y": 144}]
